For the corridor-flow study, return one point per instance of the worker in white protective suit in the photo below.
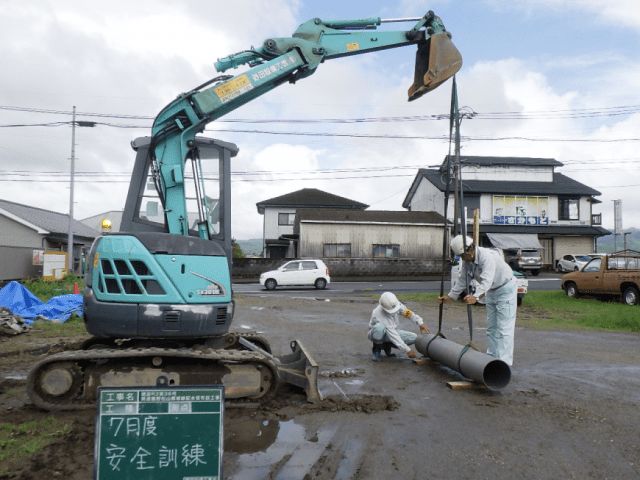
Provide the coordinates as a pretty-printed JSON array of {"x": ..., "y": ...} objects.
[
  {"x": 383, "y": 327},
  {"x": 495, "y": 282}
]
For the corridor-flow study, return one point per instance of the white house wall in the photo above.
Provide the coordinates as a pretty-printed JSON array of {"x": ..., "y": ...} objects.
[
  {"x": 509, "y": 173},
  {"x": 14, "y": 234},
  {"x": 415, "y": 241},
  {"x": 427, "y": 198}
]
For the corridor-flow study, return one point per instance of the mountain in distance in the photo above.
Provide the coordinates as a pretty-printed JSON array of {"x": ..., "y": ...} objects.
[
  {"x": 607, "y": 244},
  {"x": 251, "y": 247}
]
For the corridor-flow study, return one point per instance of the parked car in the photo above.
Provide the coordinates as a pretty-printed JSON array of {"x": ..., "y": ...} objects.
[
  {"x": 572, "y": 263},
  {"x": 616, "y": 275},
  {"x": 524, "y": 259},
  {"x": 297, "y": 272}
]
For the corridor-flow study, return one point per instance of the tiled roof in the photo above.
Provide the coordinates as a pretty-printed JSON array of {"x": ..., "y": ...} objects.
[
  {"x": 561, "y": 185},
  {"x": 546, "y": 230},
  {"x": 525, "y": 161},
  {"x": 53, "y": 222},
  {"x": 310, "y": 198},
  {"x": 95, "y": 222}
]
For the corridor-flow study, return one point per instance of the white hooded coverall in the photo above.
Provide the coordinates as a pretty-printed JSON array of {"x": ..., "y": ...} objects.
[
  {"x": 496, "y": 281},
  {"x": 383, "y": 327}
]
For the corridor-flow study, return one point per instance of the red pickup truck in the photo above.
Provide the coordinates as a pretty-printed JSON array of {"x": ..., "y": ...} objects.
[{"x": 614, "y": 275}]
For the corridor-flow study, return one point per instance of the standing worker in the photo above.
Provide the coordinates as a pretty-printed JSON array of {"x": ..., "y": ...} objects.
[
  {"x": 496, "y": 282},
  {"x": 383, "y": 327}
]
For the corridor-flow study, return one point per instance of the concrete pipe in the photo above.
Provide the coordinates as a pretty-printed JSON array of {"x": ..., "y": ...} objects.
[{"x": 480, "y": 367}]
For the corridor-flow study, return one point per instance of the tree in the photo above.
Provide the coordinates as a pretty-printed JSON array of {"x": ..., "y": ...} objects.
[{"x": 237, "y": 250}]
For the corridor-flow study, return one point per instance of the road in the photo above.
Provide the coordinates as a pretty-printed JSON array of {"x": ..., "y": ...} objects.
[{"x": 545, "y": 281}]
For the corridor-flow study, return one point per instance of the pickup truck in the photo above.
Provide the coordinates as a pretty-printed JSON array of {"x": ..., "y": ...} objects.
[{"x": 614, "y": 275}]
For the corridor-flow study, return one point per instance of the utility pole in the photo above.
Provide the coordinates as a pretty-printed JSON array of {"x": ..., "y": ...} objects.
[{"x": 73, "y": 166}]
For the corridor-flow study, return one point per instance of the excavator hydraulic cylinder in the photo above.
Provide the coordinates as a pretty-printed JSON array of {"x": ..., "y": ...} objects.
[{"x": 480, "y": 367}]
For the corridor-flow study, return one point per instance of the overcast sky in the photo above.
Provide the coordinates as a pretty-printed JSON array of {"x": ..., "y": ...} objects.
[{"x": 548, "y": 78}]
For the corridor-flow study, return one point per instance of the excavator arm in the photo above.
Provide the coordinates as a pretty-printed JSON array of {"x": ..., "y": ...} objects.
[{"x": 277, "y": 61}]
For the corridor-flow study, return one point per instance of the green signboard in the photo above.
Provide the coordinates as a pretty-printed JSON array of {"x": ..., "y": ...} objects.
[{"x": 159, "y": 433}]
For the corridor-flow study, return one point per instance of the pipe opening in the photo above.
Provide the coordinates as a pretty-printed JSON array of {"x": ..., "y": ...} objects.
[{"x": 496, "y": 375}]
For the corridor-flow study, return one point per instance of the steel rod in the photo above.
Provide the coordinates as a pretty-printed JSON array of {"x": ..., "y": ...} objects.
[{"x": 493, "y": 373}]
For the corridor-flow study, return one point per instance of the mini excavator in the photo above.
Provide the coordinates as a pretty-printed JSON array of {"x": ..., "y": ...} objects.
[{"x": 158, "y": 299}]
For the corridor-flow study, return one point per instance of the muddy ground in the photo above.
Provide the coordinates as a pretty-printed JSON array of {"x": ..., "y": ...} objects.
[{"x": 571, "y": 409}]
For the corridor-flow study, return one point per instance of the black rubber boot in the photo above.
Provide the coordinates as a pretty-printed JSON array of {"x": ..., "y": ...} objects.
[
  {"x": 377, "y": 350},
  {"x": 386, "y": 346}
]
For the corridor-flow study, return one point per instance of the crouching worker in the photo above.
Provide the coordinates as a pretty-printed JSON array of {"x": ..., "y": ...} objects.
[{"x": 383, "y": 327}]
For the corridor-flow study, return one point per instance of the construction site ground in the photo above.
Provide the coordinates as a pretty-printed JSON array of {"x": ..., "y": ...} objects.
[{"x": 571, "y": 409}]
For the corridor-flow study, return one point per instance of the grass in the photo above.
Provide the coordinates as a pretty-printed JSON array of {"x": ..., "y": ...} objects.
[
  {"x": 72, "y": 327},
  {"x": 558, "y": 310},
  {"x": 45, "y": 290},
  {"x": 554, "y": 310},
  {"x": 24, "y": 440}
]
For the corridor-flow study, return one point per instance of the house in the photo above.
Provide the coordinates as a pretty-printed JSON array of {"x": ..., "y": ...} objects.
[
  {"x": 279, "y": 239},
  {"x": 368, "y": 234},
  {"x": 27, "y": 232},
  {"x": 521, "y": 201},
  {"x": 367, "y": 242}
]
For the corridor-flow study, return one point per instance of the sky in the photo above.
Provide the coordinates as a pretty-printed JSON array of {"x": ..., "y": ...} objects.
[{"x": 546, "y": 78}]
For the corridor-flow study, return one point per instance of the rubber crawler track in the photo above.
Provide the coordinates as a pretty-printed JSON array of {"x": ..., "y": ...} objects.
[{"x": 79, "y": 357}]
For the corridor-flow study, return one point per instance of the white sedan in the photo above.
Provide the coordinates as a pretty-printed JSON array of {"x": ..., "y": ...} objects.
[
  {"x": 573, "y": 263},
  {"x": 297, "y": 272}
]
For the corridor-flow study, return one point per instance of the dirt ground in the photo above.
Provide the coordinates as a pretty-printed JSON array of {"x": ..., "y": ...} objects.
[{"x": 570, "y": 410}]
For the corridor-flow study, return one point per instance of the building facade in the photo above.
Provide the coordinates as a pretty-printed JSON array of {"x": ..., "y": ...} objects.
[
  {"x": 279, "y": 238},
  {"x": 369, "y": 234},
  {"x": 516, "y": 198},
  {"x": 26, "y": 233}
]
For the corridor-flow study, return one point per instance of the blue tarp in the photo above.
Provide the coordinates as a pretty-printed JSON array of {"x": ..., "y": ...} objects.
[{"x": 22, "y": 302}]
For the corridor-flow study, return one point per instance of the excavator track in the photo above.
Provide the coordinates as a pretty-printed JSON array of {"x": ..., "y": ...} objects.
[{"x": 70, "y": 380}]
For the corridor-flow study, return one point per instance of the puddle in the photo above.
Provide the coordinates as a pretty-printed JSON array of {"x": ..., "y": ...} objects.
[{"x": 268, "y": 444}]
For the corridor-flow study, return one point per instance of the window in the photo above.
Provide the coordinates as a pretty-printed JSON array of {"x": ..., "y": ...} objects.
[
  {"x": 308, "y": 265},
  {"x": 593, "y": 265},
  {"x": 342, "y": 250},
  {"x": 568, "y": 209},
  {"x": 286, "y": 218},
  {"x": 390, "y": 251},
  {"x": 293, "y": 266}
]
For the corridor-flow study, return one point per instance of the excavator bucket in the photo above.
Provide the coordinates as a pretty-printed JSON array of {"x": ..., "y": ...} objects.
[{"x": 437, "y": 60}]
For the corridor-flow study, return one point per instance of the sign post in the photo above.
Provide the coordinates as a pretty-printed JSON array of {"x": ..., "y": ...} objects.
[{"x": 159, "y": 433}]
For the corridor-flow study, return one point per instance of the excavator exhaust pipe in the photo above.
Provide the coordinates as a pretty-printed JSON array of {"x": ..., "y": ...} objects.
[
  {"x": 437, "y": 60},
  {"x": 480, "y": 367}
]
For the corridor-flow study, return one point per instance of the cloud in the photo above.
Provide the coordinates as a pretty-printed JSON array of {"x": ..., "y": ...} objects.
[{"x": 619, "y": 12}]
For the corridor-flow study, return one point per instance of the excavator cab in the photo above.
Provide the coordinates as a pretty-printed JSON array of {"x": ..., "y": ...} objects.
[{"x": 437, "y": 60}]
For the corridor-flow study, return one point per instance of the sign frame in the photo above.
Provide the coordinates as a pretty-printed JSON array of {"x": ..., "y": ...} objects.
[{"x": 161, "y": 432}]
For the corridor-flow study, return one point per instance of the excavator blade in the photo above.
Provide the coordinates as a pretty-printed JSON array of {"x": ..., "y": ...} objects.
[
  {"x": 437, "y": 60},
  {"x": 300, "y": 368}
]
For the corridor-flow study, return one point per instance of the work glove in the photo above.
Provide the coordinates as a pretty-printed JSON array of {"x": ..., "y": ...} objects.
[
  {"x": 410, "y": 354},
  {"x": 444, "y": 299}
]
